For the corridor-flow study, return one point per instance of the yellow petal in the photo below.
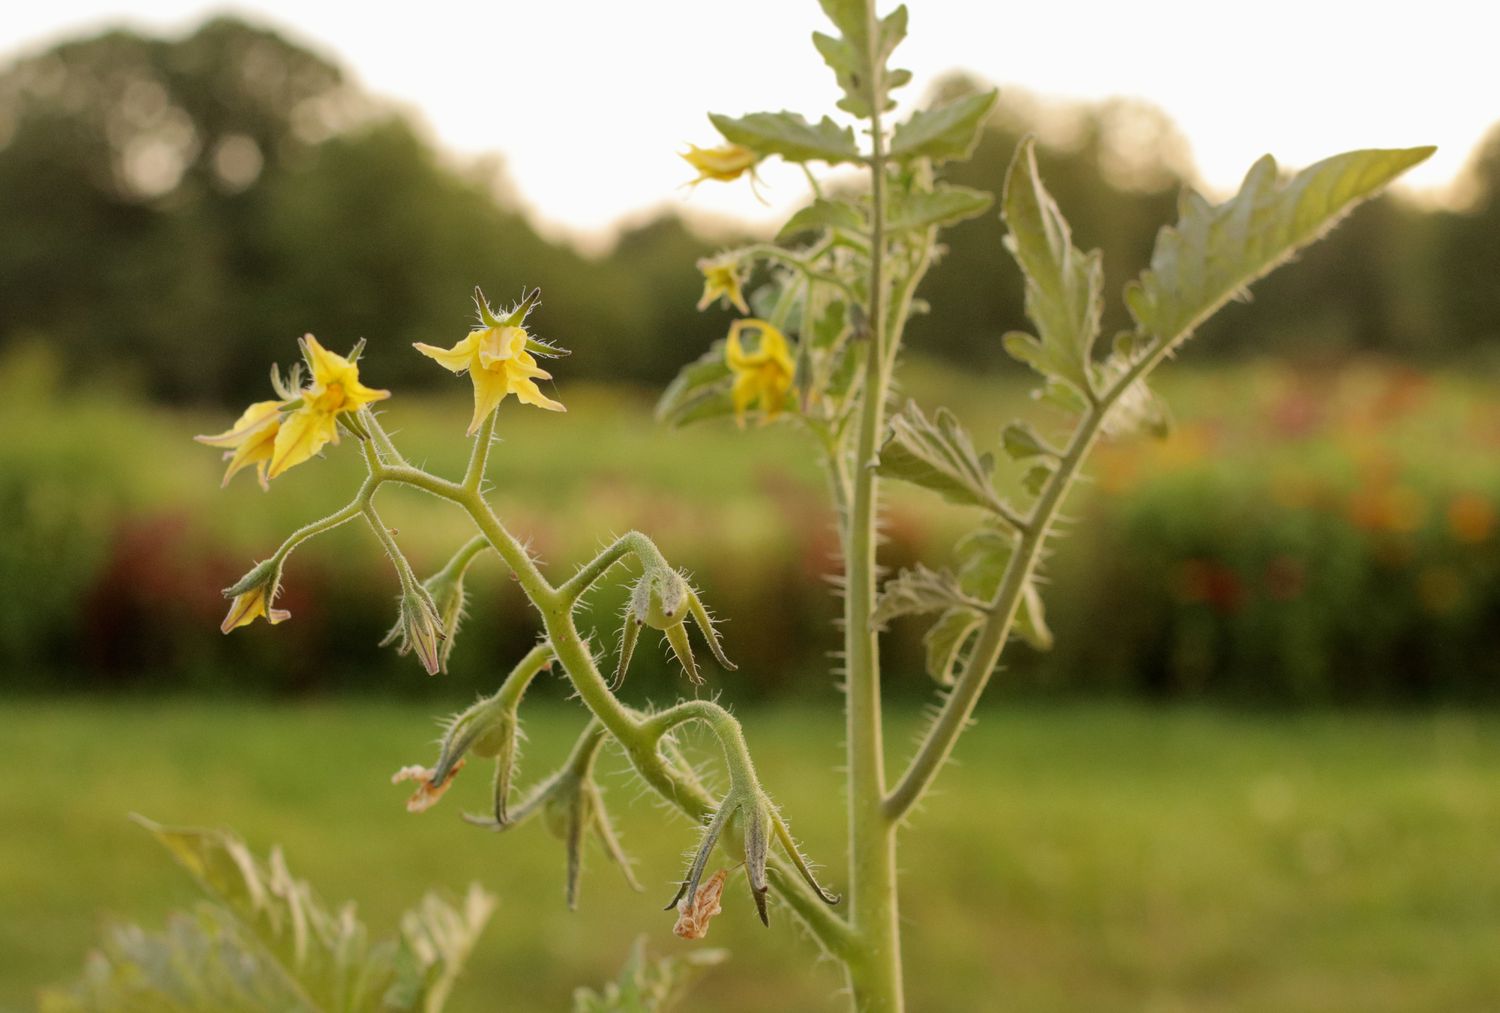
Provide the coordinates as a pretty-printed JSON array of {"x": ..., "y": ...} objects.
[
  {"x": 742, "y": 394},
  {"x": 303, "y": 434},
  {"x": 257, "y": 448},
  {"x": 490, "y": 389},
  {"x": 527, "y": 392},
  {"x": 456, "y": 359},
  {"x": 773, "y": 347},
  {"x": 257, "y": 415},
  {"x": 357, "y": 395},
  {"x": 327, "y": 367},
  {"x": 248, "y": 607},
  {"x": 723, "y": 163}
]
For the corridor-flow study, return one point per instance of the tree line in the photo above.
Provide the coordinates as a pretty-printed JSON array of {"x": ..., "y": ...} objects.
[{"x": 175, "y": 209}]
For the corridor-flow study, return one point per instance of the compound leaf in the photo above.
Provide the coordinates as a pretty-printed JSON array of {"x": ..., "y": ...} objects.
[
  {"x": 1064, "y": 287},
  {"x": 1215, "y": 251},
  {"x": 790, "y": 136},
  {"x": 948, "y": 131}
]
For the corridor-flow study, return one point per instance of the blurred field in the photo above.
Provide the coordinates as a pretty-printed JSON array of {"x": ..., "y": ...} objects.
[
  {"x": 1080, "y": 858},
  {"x": 1304, "y": 536}
]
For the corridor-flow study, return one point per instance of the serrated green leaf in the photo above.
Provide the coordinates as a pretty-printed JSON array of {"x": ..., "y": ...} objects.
[
  {"x": 1021, "y": 442},
  {"x": 939, "y": 456},
  {"x": 200, "y": 961},
  {"x": 830, "y": 325},
  {"x": 945, "y": 205},
  {"x": 1138, "y": 409},
  {"x": 918, "y": 591},
  {"x": 647, "y": 985},
  {"x": 1036, "y": 478},
  {"x": 1064, "y": 287},
  {"x": 1214, "y": 253},
  {"x": 945, "y": 642},
  {"x": 983, "y": 556},
  {"x": 790, "y": 136},
  {"x": 699, "y": 392},
  {"x": 949, "y": 131},
  {"x": 824, "y": 214},
  {"x": 854, "y": 60},
  {"x": 324, "y": 957}
]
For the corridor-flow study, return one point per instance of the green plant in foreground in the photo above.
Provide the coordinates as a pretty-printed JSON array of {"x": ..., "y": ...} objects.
[
  {"x": 265, "y": 941},
  {"x": 836, "y": 291}
]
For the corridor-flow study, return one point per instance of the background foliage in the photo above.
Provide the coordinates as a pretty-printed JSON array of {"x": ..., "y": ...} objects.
[{"x": 178, "y": 209}]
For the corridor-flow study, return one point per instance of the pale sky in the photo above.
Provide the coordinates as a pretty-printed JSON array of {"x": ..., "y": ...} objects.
[{"x": 588, "y": 102}]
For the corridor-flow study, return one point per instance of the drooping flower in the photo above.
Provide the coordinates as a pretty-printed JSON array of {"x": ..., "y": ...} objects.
[
  {"x": 764, "y": 375},
  {"x": 721, "y": 277},
  {"x": 251, "y": 440},
  {"x": 253, "y": 595},
  {"x": 313, "y": 424},
  {"x": 663, "y": 600},
  {"x": 497, "y": 358},
  {"x": 724, "y": 163}
]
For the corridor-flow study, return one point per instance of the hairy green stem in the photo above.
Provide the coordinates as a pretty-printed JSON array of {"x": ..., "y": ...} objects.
[
  {"x": 626, "y": 726},
  {"x": 480, "y": 455},
  {"x": 937, "y": 744},
  {"x": 874, "y": 969}
]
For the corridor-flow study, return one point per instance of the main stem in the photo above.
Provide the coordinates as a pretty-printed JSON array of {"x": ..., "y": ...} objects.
[{"x": 874, "y": 968}]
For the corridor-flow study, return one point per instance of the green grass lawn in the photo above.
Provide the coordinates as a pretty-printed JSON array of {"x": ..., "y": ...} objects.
[{"x": 1077, "y": 858}]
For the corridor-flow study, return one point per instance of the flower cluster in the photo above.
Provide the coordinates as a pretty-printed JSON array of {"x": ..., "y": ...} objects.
[{"x": 281, "y": 434}]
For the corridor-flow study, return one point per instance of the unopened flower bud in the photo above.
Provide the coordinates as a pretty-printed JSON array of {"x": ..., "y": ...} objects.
[
  {"x": 418, "y": 629},
  {"x": 758, "y": 820},
  {"x": 663, "y": 600},
  {"x": 572, "y": 808},
  {"x": 253, "y": 594}
]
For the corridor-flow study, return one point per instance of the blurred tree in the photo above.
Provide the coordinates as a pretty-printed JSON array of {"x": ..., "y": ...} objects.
[
  {"x": 1466, "y": 252},
  {"x": 177, "y": 210}
]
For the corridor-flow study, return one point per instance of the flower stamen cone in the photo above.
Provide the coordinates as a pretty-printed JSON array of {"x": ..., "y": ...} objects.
[{"x": 335, "y": 389}]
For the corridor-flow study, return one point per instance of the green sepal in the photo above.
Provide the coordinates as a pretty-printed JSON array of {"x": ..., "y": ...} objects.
[
  {"x": 790, "y": 136},
  {"x": 946, "y": 132}
]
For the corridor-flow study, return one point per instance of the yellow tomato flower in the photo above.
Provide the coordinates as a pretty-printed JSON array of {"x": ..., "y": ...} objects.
[
  {"x": 499, "y": 364},
  {"x": 250, "y": 440},
  {"x": 764, "y": 375},
  {"x": 314, "y": 424},
  {"x": 721, "y": 277},
  {"x": 252, "y": 605},
  {"x": 724, "y": 163}
]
